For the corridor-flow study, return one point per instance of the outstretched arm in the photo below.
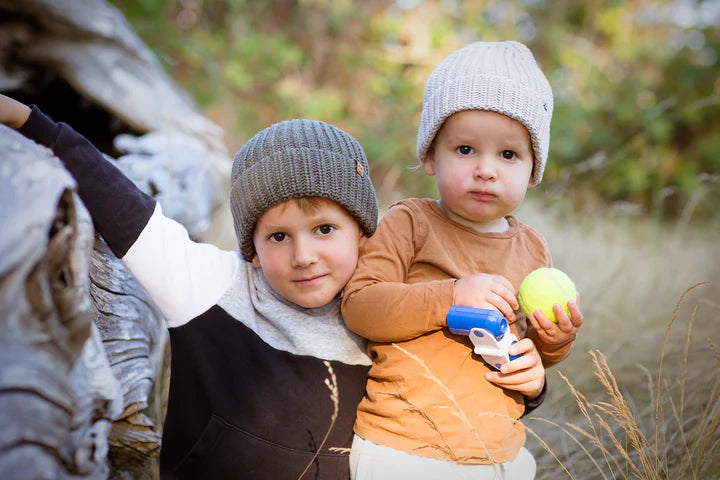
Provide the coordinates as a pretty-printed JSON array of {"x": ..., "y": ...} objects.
[
  {"x": 119, "y": 210},
  {"x": 183, "y": 277}
]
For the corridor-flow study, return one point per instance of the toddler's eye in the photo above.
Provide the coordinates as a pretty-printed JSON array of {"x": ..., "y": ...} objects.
[
  {"x": 278, "y": 237},
  {"x": 464, "y": 150},
  {"x": 325, "y": 229},
  {"x": 507, "y": 154}
]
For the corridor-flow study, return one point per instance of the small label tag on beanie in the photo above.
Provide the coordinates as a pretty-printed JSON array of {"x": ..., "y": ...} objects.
[{"x": 359, "y": 168}]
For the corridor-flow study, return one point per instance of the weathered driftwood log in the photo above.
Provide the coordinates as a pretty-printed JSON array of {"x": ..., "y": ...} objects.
[
  {"x": 57, "y": 394},
  {"x": 115, "y": 367},
  {"x": 134, "y": 339}
]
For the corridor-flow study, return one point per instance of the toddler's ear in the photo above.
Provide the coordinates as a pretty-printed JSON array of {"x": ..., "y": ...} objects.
[
  {"x": 256, "y": 262},
  {"x": 429, "y": 163}
]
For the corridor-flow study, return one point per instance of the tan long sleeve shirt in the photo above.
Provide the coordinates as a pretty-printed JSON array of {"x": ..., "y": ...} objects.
[{"x": 426, "y": 392}]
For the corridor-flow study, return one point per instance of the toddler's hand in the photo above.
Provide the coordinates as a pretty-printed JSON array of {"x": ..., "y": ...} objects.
[
  {"x": 557, "y": 333},
  {"x": 482, "y": 290},
  {"x": 525, "y": 374},
  {"x": 13, "y": 113}
]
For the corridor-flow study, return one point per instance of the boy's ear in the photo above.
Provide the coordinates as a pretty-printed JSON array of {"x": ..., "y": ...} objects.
[{"x": 256, "y": 261}]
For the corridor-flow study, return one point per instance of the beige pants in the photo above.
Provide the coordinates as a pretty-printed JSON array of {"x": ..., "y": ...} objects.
[{"x": 369, "y": 461}]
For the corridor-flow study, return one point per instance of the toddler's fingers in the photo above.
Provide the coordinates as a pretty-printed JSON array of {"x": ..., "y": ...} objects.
[
  {"x": 568, "y": 324},
  {"x": 503, "y": 306},
  {"x": 528, "y": 357},
  {"x": 563, "y": 320},
  {"x": 505, "y": 283},
  {"x": 521, "y": 347},
  {"x": 576, "y": 315},
  {"x": 505, "y": 289},
  {"x": 542, "y": 321},
  {"x": 527, "y": 382}
]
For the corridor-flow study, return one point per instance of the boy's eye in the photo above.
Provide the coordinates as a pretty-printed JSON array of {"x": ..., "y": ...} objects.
[
  {"x": 325, "y": 229},
  {"x": 464, "y": 150},
  {"x": 507, "y": 154},
  {"x": 278, "y": 237}
]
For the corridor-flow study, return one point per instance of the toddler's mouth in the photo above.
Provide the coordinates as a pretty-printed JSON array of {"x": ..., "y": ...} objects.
[{"x": 482, "y": 195}]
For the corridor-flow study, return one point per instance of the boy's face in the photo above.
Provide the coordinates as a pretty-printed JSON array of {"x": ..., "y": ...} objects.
[
  {"x": 482, "y": 162},
  {"x": 307, "y": 255}
]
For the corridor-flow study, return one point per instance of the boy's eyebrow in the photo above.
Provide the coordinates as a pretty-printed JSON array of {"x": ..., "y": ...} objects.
[
  {"x": 313, "y": 218},
  {"x": 271, "y": 228}
]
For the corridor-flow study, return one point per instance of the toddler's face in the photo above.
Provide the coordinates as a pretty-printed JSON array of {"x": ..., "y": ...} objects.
[
  {"x": 307, "y": 255},
  {"x": 482, "y": 162}
]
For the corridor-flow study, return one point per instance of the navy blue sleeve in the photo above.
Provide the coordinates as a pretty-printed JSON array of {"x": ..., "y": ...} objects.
[
  {"x": 118, "y": 208},
  {"x": 531, "y": 405}
]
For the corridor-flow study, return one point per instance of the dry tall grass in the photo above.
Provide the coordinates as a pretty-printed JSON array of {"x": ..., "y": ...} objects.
[{"x": 640, "y": 395}]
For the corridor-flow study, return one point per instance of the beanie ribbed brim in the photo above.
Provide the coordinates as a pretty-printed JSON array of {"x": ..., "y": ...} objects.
[{"x": 295, "y": 159}]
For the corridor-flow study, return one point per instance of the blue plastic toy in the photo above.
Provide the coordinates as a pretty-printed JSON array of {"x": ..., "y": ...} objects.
[{"x": 488, "y": 331}]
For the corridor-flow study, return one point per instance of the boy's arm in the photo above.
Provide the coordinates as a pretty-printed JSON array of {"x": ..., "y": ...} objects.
[
  {"x": 184, "y": 278},
  {"x": 378, "y": 304}
]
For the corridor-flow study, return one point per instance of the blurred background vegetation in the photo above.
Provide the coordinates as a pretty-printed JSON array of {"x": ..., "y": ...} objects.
[
  {"x": 637, "y": 90},
  {"x": 629, "y": 199}
]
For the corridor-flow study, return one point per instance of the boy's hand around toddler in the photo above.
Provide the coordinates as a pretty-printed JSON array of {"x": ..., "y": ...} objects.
[
  {"x": 525, "y": 374},
  {"x": 558, "y": 333},
  {"x": 482, "y": 290},
  {"x": 13, "y": 113}
]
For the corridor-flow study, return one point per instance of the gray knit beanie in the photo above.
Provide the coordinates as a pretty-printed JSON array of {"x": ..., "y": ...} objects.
[
  {"x": 299, "y": 158},
  {"x": 502, "y": 77}
]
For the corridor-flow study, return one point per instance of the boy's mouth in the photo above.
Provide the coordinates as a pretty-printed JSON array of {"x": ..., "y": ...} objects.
[{"x": 309, "y": 281}]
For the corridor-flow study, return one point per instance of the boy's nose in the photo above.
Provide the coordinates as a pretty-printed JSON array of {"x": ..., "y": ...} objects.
[{"x": 304, "y": 253}]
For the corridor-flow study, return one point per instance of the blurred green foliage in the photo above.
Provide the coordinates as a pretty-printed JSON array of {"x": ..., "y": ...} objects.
[{"x": 637, "y": 90}]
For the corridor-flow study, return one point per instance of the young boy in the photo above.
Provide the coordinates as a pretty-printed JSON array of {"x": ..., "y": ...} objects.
[
  {"x": 484, "y": 135},
  {"x": 250, "y": 331}
]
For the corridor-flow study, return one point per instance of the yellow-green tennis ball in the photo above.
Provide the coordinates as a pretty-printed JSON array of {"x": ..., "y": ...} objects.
[{"x": 543, "y": 288}]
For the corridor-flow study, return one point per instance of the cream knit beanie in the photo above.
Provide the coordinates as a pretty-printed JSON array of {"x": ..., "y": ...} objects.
[
  {"x": 502, "y": 77},
  {"x": 299, "y": 158}
]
